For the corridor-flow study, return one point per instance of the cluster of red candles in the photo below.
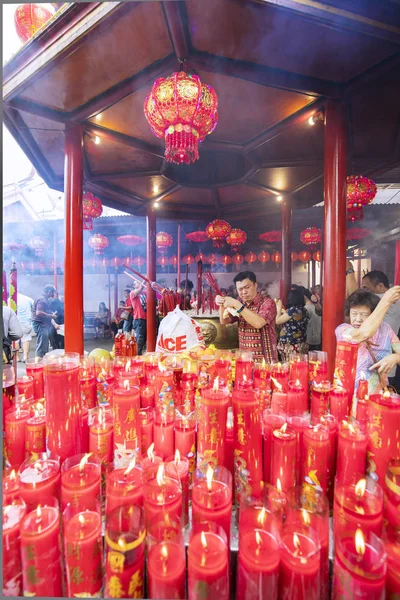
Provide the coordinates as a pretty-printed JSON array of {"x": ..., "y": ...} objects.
[{"x": 156, "y": 444}]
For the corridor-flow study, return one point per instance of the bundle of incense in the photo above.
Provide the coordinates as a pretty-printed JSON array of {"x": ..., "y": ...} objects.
[{"x": 210, "y": 280}]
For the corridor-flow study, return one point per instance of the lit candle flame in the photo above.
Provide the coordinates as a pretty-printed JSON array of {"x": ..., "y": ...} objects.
[
  {"x": 263, "y": 363},
  {"x": 164, "y": 551},
  {"x": 128, "y": 366},
  {"x": 360, "y": 542},
  {"x": 177, "y": 458},
  {"x": 81, "y": 519},
  {"x": 209, "y": 477},
  {"x": 244, "y": 378},
  {"x": 261, "y": 516},
  {"x": 283, "y": 428},
  {"x": 39, "y": 511},
  {"x": 160, "y": 478},
  {"x": 150, "y": 452},
  {"x": 297, "y": 382},
  {"x": 360, "y": 487},
  {"x": 386, "y": 394},
  {"x": 126, "y": 384},
  {"x": 203, "y": 540},
  {"x": 84, "y": 461},
  {"x": 276, "y": 384},
  {"x": 278, "y": 485},
  {"x": 13, "y": 475},
  {"x": 296, "y": 541},
  {"x": 305, "y": 516},
  {"x": 131, "y": 466},
  {"x": 258, "y": 538},
  {"x": 121, "y": 543},
  {"x": 216, "y": 384}
]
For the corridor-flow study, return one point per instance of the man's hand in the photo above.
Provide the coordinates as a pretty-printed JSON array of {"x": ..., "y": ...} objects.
[
  {"x": 54, "y": 315},
  {"x": 386, "y": 364},
  {"x": 219, "y": 300},
  {"x": 231, "y": 302},
  {"x": 392, "y": 295}
]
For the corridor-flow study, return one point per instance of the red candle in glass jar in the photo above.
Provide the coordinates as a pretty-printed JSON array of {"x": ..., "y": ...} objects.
[
  {"x": 40, "y": 550},
  {"x": 297, "y": 398},
  {"x": 298, "y": 371},
  {"x": 280, "y": 376},
  {"x": 264, "y": 511},
  {"x": 162, "y": 493},
  {"x": 126, "y": 406},
  {"x": 358, "y": 505},
  {"x": 223, "y": 370},
  {"x": 244, "y": 366},
  {"x": 164, "y": 379},
  {"x": 12, "y": 567},
  {"x": 315, "y": 453},
  {"x": 83, "y": 551},
  {"x": 330, "y": 423},
  {"x": 10, "y": 486},
  {"x": 383, "y": 432},
  {"x": 318, "y": 366},
  {"x": 166, "y": 569},
  {"x": 212, "y": 498},
  {"x": 182, "y": 466},
  {"x": 88, "y": 389},
  {"x": 345, "y": 367},
  {"x": 25, "y": 386},
  {"x": 351, "y": 453},
  {"x": 35, "y": 369},
  {"x": 124, "y": 487},
  {"x": 63, "y": 404},
  {"x": 283, "y": 457},
  {"x": 319, "y": 400},
  {"x": 299, "y": 424},
  {"x": 258, "y": 566},
  {"x": 35, "y": 435},
  {"x": 262, "y": 375},
  {"x": 299, "y": 566},
  {"x": 208, "y": 566},
  {"x": 101, "y": 434},
  {"x": 359, "y": 568},
  {"x": 105, "y": 385},
  {"x": 185, "y": 435},
  {"x": 269, "y": 424},
  {"x": 15, "y": 422},
  {"x": 146, "y": 397},
  {"x": 362, "y": 389},
  {"x": 279, "y": 399},
  {"x": 392, "y": 546},
  {"x": 339, "y": 403},
  {"x": 146, "y": 428},
  {"x": 80, "y": 481},
  {"x": 229, "y": 442},
  {"x": 150, "y": 459},
  {"x": 163, "y": 430},
  {"x": 362, "y": 413},
  {"x": 211, "y": 425},
  {"x": 391, "y": 489},
  {"x": 39, "y": 480}
]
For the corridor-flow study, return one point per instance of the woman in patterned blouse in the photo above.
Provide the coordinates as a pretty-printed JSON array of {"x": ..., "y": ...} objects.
[{"x": 293, "y": 334}]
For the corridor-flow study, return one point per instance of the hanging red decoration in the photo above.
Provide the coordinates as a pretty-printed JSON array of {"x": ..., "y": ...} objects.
[
  {"x": 310, "y": 236},
  {"x": 276, "y": 257},
  {"x": 237, "y": 259},
  {"x": 29, "y": 18},
  {"x": 358, "y": 233},
  {"x": 39, "y": 244},
  {"x": 317, "y": 256},
  {"x": 264, "y": 257},
  {"x": 304, "y": 256},
  {"x": 198, "y": 237},
  {"x": 173, "y": 260},
  {"x": 226, "y": 260},
  {"x": 92, "y": 209},
  {"x": 139, "y": 261},
  {"x": 201, "y": 257},
  {"x": 98, "y": 242},
  {"x": 355, "y": 214},
  {"x": 217, "y": 231},
  {"x": 130, "y": 240},
  {"x": 162, "y": 261},
  {"x": 188, "y": 259},
  {"x": 214, "y": 259},
  {"x": 250, "y": 257},
  {"x": 294, "y": 256},
  {"x": 116, "y": 262},
  {"x": 236, "y": 238},
  {"x": 360, "y": 191},
  {"x": 271, "y": 236},
  {"x": 163, "y": 240},
  {"x": 182, "y": 110},
  {"x": 13, "y": 247}
]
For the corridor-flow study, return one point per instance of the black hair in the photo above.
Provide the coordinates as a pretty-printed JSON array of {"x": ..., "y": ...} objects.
[
  {"x": 307, "y": 293},
  {"x": 49, "y": 288},
  {"x": 102, "y": 303},
  {"x": 295, "y": 298},
  {"x": 127, "y": 290},
  {"x": 361, "y": 298},
  {"x": 189, "y": 285},
  {"x": 245, "y": 275},
  {"x": 376, "y": 277}
]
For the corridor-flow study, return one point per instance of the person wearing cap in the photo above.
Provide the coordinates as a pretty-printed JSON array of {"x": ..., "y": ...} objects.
[{"x": 42, "y": 319}]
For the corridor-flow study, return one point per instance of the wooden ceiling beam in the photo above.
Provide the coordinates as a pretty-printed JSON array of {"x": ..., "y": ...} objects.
[
  {"x": 122, "y": 138},
  {"x": 124, "y": 175},
  {"x": 337, "y": 18},
  {"x": 33, "y": 108},
  {"x": 217, "y": 201},
  {"x": 267, "y": 76},
  {"x": 118, "y": 192},
  {"x": 283, "y": 163},
  {"x": 391, "y": 63},
  {"x": 167, "y": 193},
  {"x": 265, "y": 188},
  {"x": 176, "y": 29}
]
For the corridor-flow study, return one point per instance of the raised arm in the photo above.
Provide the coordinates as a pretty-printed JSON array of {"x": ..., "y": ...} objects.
[{"x": 374, "y": 321}]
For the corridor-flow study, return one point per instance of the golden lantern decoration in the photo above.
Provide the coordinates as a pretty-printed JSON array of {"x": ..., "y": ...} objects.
[
  {"x": 236, "y": 238},
  {"x": 276, "y": 257},
  {"x": 98, "y": 242},
  {"x": 355, "y": 214},
  {"x": 360, "y": 191},
  {"x": 29, "y": 18},
  {"x": 264, "y": 257},
  {"x": 237, "y": 259},
  {"x": 218, "y": 231},
  {"x": 182, "y": 110},
  {"x": 304, "y": 256},
  {"x": 250, "y": 257},
  {"x": 310, "y": 236},
  {"x": 92, "y": 209},
  {"x": 163, "y": 241}
]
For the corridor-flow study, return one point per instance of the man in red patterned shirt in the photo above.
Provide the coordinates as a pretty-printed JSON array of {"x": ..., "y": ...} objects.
[{"x": 256, "y": 316}]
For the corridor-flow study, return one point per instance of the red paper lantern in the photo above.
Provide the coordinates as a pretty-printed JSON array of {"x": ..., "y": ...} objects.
[
  {"x": 360, "y": 191},
  {"x": 250, "y": 257},
  {"x": 276, "y": 257},
  {"x": 304, "y": 256},
  {"x": 294, "y": 256},
  {"x": 311, "y": 236},
  {"x": 182, "y": 110},
  {"x": 264, "y": 257},
  {"x": 138, "y": 261},
  {"x": 92, "y": 209},
  {"x": 236, "y": 238},
  {"x": 198, "y": 237},
  {"x": 355, "y": 214},
  {"x": 188, "y": 259},
  {"x": 130, "y": 240},
  {"x": 317, "y": 256},
  {"x": 214, "y": 259},
  {"x": 271, "y": 236},
  {"x": 116, "y": 262},
  {"x": 162, "y": 261},
  {"x": 237, "y": 259},
  {"x": 98, "y": 242},
  {"x": 163, "y": 240},
  {"x": 357, "y": 233},
  {"x": 29, "y": 18},
  {"x": 226, "y": 260},
  {"x": 104, "y": 263},
  {"x": 39, "y": 244},
  {"x": 201, "y": 257},
  {"x": 173, "y": 260},
  {"x": 217, "y": 231}
]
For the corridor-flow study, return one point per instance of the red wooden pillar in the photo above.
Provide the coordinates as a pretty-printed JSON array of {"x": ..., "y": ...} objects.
[
  {"x": 335, "y": 162},
  {"x": 73, "y": 269},
  {"x": 151, "y": 275},
  {"x": 286, "y": 250}
]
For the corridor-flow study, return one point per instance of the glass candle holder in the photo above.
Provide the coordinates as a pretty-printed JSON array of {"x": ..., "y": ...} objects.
[
  {"x": 283, "y": 466},
  {"x": 81, "y": 481},
  {"x": 391, "y": 539},
  {"x": 299, "y": 424},
  {"x": 163, "y": 430},
  {"x": 339, "y": 403},
  {"x": 263, "y": 511},
  {"x": 352, "y": 451},
  {"x": 182, "y": 465},
  {"x": 319, "y": 400},
  {"x": 25, "y": 385},
  {"x": 212, "y": 497},
  {"x": 166, "y": 560},
  {"x": 83, "y": 550},
  {"x": 146, "y": 417},
  {"x": 14, "y": 429},
  {"x": 360, "y": 567},
  {"x": 316, "y": 455},
  {"x": 211, "y": 424},
  {"x": 270, "y": 422},
  {"x": 262, "y": 375},
  {"x": 105, "y": 381},
  {"x": 162, "y": 493},
  {"x": 101, "y": 434},
  {"x": 39, "y": 480},
  {"x": 243, "y": 366},
  {"x": 280, "y": 377},
  {"x": 318, "y": 366},
  {"x": 383, "y": 431},
  {"x": 300, "y": 564},
  {"x": 124, "y": 487},
  {"x": 392, "y": 494},
  {"x": 297, "y": 398},
  {"x": 126, "y": 406},
  {"x": 13, "y": 514},
  {"x": 357, "y": 504},
  {"x": 223, "y": 367},
  {"x": 208, "y": 562},
  {"x": 35, "y": 369},
  {"x": 10, "y": 486},
  {"x": 345, "y": 367},
  {"x": 331, "y": 424},
  {"x": 40, "y": 551},
  {"x": 87, "y": 380},
  {"x": 298, "y": 370},
  {"x": 258, "y": 565}
]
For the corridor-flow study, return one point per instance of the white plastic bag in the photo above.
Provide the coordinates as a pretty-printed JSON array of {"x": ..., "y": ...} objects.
[{"x": 178, "y": 333}]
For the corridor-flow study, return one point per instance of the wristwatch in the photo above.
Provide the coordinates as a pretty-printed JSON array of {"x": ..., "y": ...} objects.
[
  {"x": 349, "y": 271},
  {"x": 239, "y": 310}
]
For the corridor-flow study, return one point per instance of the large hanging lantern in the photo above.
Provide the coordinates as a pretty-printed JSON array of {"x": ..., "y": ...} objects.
[
  {"x": 294, "y": 256},
  {"x": 92, "y": 209},
  {"x": 276, "y": 257},
  {"x": 130, "y": 240},
  {"x": 355, "y": 214},
  {"x": 198, "y": 237},
  {"x": 98, "y": 242},
  {"x": 357, "y": 233},
  {"x": 304, "y": 256},
  {"x": 271, "y": 236},
  {"x": 237, "y": 259},
  {"x": 29, "y": 18},
  {"x": 163, "y": 241},
  {"x": 182, "y": 110},
  {"x": 310, "y": 236},
  {"x": 360, "y": 191},
  {"x": 226, "y": 260},
  {"x": 263, "y": 257},
  {"x": 217, "y": 231},
  {"x": 236, "y": 238},
  {"x": 39, "y": 244},
  {"x": 250, "y": 257},
  {"x": 188, "y": 259}
]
